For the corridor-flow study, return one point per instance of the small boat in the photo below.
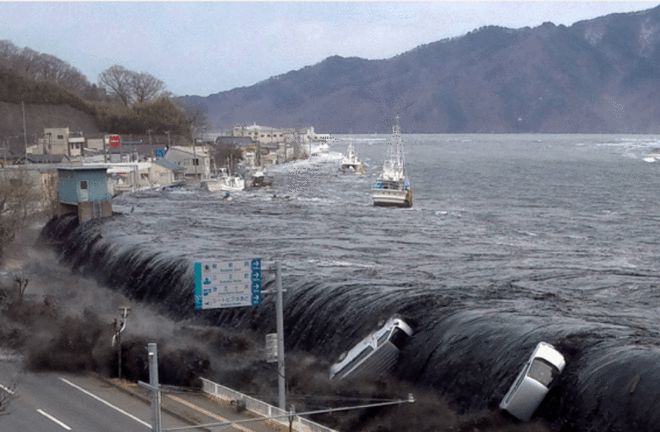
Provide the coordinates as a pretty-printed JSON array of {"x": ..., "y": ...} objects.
[
  {"x": 212, "y": 184},
  {"x": 232, "y": 183},
  {"x": 318, "y": 148},
  {"x": 259, "y": 179},
  {"x": 392, "y": 188},
  {"x": 351, "y": 162}
]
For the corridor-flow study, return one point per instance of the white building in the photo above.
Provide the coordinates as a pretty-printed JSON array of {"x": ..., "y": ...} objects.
[
  {"x": 59, "y": 141},
  {"x": 195, "y": 160}
]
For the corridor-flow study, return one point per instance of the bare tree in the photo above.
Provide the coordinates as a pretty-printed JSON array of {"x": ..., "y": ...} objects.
[
  {"x": 198, "y": 122},
  {"x": 18, "y": 198},
  {"x": 146, "y": 87},
  {"x": 118, "y": 81},
  {"x": 44, "y": 67}
]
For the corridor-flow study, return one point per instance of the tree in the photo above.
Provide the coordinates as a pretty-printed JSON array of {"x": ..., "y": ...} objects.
[
  {"x": 146, "y": 87},
  {"x": 17, "y": 199},
  {"x": 198, "y": 122},
  {"x": 118, "y": 81},
  {"x": 129, "y": 86}
]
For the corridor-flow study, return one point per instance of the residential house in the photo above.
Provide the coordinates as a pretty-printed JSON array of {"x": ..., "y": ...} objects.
[{"x": 195, "y": 160}]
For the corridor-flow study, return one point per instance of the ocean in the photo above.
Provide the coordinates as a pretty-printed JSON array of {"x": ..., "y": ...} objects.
[{"x": 512, "y": 239}]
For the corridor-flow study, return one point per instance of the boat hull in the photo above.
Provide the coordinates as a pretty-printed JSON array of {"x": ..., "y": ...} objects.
[
  {"x": 211, "y": 186},
  {"x": 392, "y": 198},
  {"x": 227, "y": 188},
  {"x": 352, "y": 168}
]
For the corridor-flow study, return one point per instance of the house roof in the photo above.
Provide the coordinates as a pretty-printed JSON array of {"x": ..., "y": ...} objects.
[
  {"x": 47, "y": 158},
  {"x": 245, "y": 141},
  {"x": 83, "y": 168},
  {"x": 200, "y": 151}
]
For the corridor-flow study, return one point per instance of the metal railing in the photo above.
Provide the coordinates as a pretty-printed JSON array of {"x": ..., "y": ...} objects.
[{"x": 256, "y": 406}]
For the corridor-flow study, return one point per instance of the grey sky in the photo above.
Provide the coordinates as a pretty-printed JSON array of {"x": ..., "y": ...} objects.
[{"x": 202, "y": 48}]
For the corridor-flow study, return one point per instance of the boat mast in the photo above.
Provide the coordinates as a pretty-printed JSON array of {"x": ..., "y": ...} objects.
[{"x": 397, "y": 145}]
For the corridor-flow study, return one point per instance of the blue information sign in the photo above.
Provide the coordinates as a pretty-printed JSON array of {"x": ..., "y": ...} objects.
[{"x": 227, "y": 284}]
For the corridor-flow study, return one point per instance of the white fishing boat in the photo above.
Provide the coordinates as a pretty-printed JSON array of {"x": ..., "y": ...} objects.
[
  {"x": 259, "y": 179},
  {"x": 351, "y": 162},
  {"x": 232, "y": 183},
  {"x": 393, "y": 187},
  {"x": 211, "y": 184},
  {"x": 318, "y": 148}
]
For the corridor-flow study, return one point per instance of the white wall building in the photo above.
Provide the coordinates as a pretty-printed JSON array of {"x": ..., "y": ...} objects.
[{"x": 195, "y": 160}]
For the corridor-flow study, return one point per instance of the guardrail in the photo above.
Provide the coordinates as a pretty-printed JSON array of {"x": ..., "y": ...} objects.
[{"x": 299, "y": 424}]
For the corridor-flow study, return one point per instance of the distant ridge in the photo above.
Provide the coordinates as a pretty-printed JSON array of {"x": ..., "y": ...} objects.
[{"x": 599, "y": 75}]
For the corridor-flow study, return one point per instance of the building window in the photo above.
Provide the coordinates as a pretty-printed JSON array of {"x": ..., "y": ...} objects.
[
  {"x": 60, "y": 137},
  {"x": 195, "y": 161}
]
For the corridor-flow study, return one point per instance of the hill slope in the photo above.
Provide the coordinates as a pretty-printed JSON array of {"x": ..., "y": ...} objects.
[{"x": 600, "y": 75}]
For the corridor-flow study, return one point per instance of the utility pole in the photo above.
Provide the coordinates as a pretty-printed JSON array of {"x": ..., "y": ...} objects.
[
  {"x": 279, "y": 316},
  {"x": 120, "y": 326},
  {"x": 24, "y": 131},
  {"x": 152, "y": 349},
  {"x": 154, "y": 387},
  {"x": 195, "y": 160}
]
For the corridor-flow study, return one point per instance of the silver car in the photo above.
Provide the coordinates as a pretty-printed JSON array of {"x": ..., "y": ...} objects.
[
  {"x": 374, "y": 355},
  {"x": 533, "y": 381}
]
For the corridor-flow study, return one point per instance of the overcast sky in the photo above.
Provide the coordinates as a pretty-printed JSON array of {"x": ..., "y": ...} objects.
[{"x": 203, "y": 48}]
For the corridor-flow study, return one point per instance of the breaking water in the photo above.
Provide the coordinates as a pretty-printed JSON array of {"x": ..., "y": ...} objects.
[{"x": 512, "y": 239}]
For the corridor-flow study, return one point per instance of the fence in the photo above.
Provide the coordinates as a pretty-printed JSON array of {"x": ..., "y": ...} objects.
[{"x": 300, "y": 424}]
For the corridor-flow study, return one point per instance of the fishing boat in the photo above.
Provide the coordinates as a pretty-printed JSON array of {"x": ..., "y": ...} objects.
[
  {"x": 392, "y": 188},
  {"x": 351, "y": 162},
  {"x": 211, "y": 184},
  {"x": 232, "y": 183},
  {"x": 259, "y": 179}
]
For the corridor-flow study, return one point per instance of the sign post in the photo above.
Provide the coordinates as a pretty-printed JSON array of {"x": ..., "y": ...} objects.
[
  {"x": 115, "y": 141},
  {"x": 238, "y": 283},
  {"x": 279, "y": 316}
]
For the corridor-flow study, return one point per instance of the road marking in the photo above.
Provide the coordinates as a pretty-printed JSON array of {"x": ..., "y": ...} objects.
[
  {"x": 103, "y": 401},
  {"x": 53, "y": 419},
  {"x": 207, "y": 413},
  {"x": 7, "y": 389}
]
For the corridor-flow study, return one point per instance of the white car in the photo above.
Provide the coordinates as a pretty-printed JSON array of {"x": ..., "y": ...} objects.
[
  {"x": 374, "y": 355},
  {"x": 533, "y": 381}
]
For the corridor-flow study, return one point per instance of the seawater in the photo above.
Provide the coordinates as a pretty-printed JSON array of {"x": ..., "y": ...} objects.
[{"x": 512, "y": 239}]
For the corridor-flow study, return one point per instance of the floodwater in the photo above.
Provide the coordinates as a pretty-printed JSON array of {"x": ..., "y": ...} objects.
[{"x": 512, "y": 239}]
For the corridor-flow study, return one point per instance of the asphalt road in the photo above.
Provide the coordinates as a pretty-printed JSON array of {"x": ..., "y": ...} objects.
[{"x": 53, "y": 402}]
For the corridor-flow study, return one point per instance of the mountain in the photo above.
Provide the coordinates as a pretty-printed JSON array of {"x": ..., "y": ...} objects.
[{"x": 599, "y": 75}]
